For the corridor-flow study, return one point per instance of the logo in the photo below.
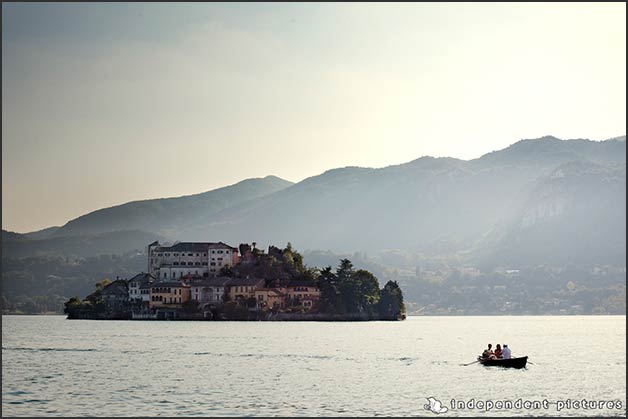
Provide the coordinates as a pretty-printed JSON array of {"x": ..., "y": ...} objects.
[{"x": 435, "y": 406}]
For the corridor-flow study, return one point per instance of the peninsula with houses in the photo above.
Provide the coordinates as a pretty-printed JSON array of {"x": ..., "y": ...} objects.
[{"x": 216, "y": 281}]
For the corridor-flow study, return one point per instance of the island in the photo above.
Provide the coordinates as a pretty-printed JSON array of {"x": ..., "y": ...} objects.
[{"x": 215, "y": 281}]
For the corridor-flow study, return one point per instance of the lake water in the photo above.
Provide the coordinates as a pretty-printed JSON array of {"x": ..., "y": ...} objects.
[{"x": 52, "y": 366}]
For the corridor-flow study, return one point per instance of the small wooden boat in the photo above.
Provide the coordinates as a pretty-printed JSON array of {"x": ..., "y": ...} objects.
[{"x": 506, "y": 363}]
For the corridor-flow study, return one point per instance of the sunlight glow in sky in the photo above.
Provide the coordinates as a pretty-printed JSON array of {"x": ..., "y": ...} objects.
[{"x": 104, "y": 103}]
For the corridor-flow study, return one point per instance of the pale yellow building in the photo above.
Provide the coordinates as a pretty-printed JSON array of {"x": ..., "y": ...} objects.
[
  {"x": 271, "y": 298},
  {"x": 243, "y": 288},
  {"x": 303, "y": 291},
  {"x": 169, "y": 294}
]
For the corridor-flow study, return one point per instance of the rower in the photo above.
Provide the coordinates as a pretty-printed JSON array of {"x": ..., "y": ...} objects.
[
  {"x": 487, "y": 352},
  {"x": 498, "y": 351},
  {"x": 506, "y": 352}
]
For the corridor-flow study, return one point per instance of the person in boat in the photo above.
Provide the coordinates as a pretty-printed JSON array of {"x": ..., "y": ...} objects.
[
  {"x": 488, "y": 352},
  {"x": 506, "y": 352},
  {"x": 498, "y": 351}
]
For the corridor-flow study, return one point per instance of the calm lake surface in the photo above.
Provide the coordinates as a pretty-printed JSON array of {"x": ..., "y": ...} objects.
[{"x": 57, "y": 367}]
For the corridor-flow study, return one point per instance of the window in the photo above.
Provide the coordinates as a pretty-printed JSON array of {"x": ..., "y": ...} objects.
[
  {"x": 176, "y": 254},
  {"x": 220, "y": 251},
  {"x": 219, "y": 258},
  {"x": 190, "y": 254},
  {"x": 167, "y": 254},
  {"x": 197, "y": 263},
  {"x": 226, "y": 251},
  {"x": 175, "y": 263},
  {"x": 213, "y": 251},
  {"x": 197, "y": 255},
  {"x": 190, "y": 263},
  {"x": 204, "y": 263},
  {"x": 213, "y": 264},
  {"x": 204, "y": 254},
  {"x": 164, "y": 274}
]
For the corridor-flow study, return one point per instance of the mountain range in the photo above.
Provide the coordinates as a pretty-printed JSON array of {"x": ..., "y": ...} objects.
[{"x": 539, "y": 201}]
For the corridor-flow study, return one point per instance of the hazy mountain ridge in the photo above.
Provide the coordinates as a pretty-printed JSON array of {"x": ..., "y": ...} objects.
[
  {"x": 165, "y": 215},
  {"x": 12, "y": 236},
  {"x": 43, "y": 233},
  {"x": 430, "y": 205},
  {"x": 34, "y": 235},
  {"x": 550, "y": 150}
]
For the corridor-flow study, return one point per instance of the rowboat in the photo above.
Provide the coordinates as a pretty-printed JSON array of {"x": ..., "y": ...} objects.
[{"x": 506, "y": 363}]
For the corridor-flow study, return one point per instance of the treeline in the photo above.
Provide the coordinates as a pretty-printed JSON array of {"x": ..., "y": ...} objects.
[
  {"x": 41, "y": 284},
  {"x": 357, "y": 291},
  {"x": 278, "y": 264},
  {"x": 528, "y": 290},
  {"x": 39, "y": 304}
]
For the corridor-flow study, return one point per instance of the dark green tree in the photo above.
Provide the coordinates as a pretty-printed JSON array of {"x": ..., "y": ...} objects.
[
  {"x": 391, "y": 304},
  {"x": 368, "y": 290},
  {"x": 72, "y": 307},
  {"x": 327, "y": 284},
  {"x": 345, "y": 270}
]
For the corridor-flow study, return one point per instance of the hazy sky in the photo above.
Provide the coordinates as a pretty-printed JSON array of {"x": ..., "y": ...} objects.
[{"x": 104, "y": 103}]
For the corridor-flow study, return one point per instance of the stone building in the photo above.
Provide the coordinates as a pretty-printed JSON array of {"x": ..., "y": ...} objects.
[{"x": 167, "y": 263}]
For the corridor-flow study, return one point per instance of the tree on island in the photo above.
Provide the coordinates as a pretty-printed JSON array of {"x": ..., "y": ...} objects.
[
  {"x": 368, "y": 290},
  {"x": 330, "y": 294},
  {"x": 100, "y": 285},
  {"x": 391, "y": 304},
  {"x": 72, "y": 307},
  {"x": 278, "y": 264},
  {"x": 350, "y": 291}
]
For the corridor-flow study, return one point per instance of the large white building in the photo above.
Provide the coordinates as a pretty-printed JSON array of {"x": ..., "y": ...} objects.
[{"x": 197, "y": 259}]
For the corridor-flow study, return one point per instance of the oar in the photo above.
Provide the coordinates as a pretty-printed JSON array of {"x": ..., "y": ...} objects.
[{"x": 474, "y": 362}]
